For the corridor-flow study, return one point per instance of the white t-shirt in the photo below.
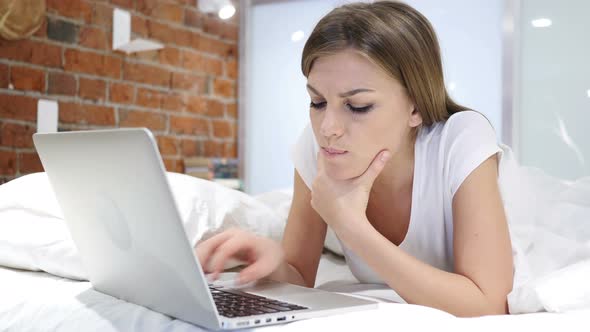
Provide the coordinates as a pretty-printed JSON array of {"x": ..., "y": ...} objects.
[{"x": 445, "y": 154}]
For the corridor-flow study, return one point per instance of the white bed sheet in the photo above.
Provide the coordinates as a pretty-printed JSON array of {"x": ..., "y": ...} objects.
[{"x": 37, "y": 301}]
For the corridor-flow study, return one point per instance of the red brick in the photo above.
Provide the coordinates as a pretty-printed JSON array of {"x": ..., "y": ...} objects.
[
  {"x": 152, "y": 56},
  {"x": 123, "y": 3},
  {"x": 86, "y": 114},
  {"x": 218, "y": 47},
  {"x": 7, "y": 163},
  {"x": 139, "y": 26},
  {"x": 192, "y": 60},
  {"x": 92, "y": 89},
  {"x": 146, "y": 6},
  {"x": 161, "y": 9},
  {"x": 148, "y": 98},
  {"x": 4, "y": 76},
  {"x": 190, "y": 148},
  {"x": 112, "y": 67},
  {"x": 196, "y": 104},
  {"x": 25, "y": 78},
  {"x": 230, "y": 150},
  {"x": 103, "y": 15},
  {"x": 30, "y": 163},
  {"x": 42, "y": 30},
  {"x": 201, "y": 63},
  {"x": 231, "y": 68},
  {"x": 147, "y": 74},
  {"x": 121, "y": 93},
  {"x": 46, "y": 55},
  {"x": 168, "y": 34},
  {"x": 92, "y": 63},
  {"x": 193, "y": 18},
  {"x": 19, "y": 50},
  {"x": 222, "y": 128},
  {"x": 231, "y": 111},
  {"x": 174, "y": 165},
  {"x": 25, "y": 50},
  {"x": 100, "y": 115},
  {"x": 194, "y": 83},
  {"x": 195, "y": 41},
  {"x": 170, "y": 56},
  {"x": 61, "y": 84},
  {"x": 169, "y": 12},
  {"x": 213, "y": 149},
  {"x": 230, "y": 32},
  {"x": 174, "y": 102},
  {"x": 153, "y": 121},
  {"x": 224, "y": 88},
  {"x": 76, "y": 9},
  {"x": 214, "y": 108},
  {"x": 18, "y": 108},
  {"x": 212, "y": 66},
  {"x": 212, "y": 25},
  {"x": 189, "y": 126},
  {"x": 17, "y": 135},
  {"x": 168, "y": 145},
  {"x": 94, "y": 38}
]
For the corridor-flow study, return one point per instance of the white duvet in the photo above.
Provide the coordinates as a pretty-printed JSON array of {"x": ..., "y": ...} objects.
[
  {"x": 549, "y": 223},
  {"x": 37, "y": 301}
]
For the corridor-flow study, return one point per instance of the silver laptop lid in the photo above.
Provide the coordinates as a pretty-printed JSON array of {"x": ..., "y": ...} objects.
[{"x": 117, "y": 203}]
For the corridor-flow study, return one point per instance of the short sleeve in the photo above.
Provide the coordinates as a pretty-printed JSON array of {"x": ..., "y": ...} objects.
[
  {"x": 468, "y": 140},
  {"x": 304, "y": 155}
]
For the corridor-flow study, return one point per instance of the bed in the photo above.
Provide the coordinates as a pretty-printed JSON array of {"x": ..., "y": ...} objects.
[
  {"x": 38, "y": 301},
  {"x": 43, "y": 287}
]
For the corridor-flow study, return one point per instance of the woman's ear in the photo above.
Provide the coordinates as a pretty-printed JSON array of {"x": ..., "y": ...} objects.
[{"x": 415, "y": 118}]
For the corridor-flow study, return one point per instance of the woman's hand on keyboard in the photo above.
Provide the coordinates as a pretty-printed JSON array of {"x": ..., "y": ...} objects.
[{"x": 262, "y": 255}]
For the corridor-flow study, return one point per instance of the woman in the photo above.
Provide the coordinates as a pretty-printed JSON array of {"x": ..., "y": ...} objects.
[{"x": 406, "y": 178}]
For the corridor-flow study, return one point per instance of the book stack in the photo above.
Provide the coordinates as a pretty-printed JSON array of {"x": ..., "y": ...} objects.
[
  {"x": 220, "y": 170},
  {"x": 199, "y": 167}
]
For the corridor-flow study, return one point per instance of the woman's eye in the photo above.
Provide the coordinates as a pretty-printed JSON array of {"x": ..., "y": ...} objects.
[
  {"x": 363, "y": 109},
  {"x": 317, "y": 105}
]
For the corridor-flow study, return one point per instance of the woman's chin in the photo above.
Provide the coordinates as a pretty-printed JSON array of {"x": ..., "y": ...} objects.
[{"x": 341, "y": 174}]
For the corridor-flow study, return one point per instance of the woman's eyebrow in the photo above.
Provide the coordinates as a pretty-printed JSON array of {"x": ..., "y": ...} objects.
[{"x": 342, "y": 95}]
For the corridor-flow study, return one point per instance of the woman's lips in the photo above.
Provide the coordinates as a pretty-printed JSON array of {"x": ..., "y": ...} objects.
[{"x": 331, "y": 152}]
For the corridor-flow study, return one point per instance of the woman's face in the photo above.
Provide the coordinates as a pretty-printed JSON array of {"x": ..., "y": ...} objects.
[{"x": 357, "y": 110}]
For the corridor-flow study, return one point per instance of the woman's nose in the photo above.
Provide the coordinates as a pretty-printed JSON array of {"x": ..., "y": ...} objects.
[{"x": 331, "y": 123}]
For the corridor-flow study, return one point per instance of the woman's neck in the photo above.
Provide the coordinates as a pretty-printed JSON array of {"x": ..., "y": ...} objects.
[{"x": 398, "y": 174}]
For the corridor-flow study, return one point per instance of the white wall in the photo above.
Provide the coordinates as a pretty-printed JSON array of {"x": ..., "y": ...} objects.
[
  {"x": 277, "y": 102},
  {"x": 553, "y": 110}
]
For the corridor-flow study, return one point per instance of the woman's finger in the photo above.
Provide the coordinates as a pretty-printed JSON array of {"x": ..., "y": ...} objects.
[
  {"x": 259, "y": 269},
  {"x": 225, "y": 251},
  {"x": 205, "y": 249}
]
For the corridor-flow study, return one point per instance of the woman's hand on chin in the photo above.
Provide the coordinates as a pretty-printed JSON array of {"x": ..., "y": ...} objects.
[{"x": 342, "y": 203}]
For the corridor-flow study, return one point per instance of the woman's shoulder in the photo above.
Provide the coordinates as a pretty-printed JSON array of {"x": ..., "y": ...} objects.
[
  {"x": 467, "y": 119},
  {"x": 464, "y": 125}
]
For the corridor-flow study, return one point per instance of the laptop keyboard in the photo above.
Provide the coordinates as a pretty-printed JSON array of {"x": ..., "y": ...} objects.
[{"x": 232, "y": 303}]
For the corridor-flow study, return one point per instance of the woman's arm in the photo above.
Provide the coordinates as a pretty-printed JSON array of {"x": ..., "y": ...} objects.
[
  {"x": 295, "y": 261},
  {"x": 483, "y": 260},
  {"x": 303, "y": 239}
]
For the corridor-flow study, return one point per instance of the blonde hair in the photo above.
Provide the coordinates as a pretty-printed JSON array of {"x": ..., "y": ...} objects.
[{"x": 397, "y": 38}]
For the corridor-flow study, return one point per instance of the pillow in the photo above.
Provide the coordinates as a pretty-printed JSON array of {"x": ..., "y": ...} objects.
[
  {"x": 280, "y": 202},
  {"x": 33, "y": 235}
]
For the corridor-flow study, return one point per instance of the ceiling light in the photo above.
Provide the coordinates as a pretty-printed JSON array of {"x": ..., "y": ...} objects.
[
  {"x": 541, "y": 22},
  {"x": 297, "y": 36},
  {"x": 224, "y": 8}
]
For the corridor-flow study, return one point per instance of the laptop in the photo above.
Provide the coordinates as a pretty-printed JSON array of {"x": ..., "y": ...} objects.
[{"x": 118, "y": 206}]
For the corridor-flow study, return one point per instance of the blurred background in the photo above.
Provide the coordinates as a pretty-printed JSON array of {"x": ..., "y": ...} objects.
[{"x": 219, "y": 83}]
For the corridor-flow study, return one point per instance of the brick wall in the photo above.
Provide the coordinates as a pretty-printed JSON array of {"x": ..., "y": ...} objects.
[{"x": 185, "y": 93}]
